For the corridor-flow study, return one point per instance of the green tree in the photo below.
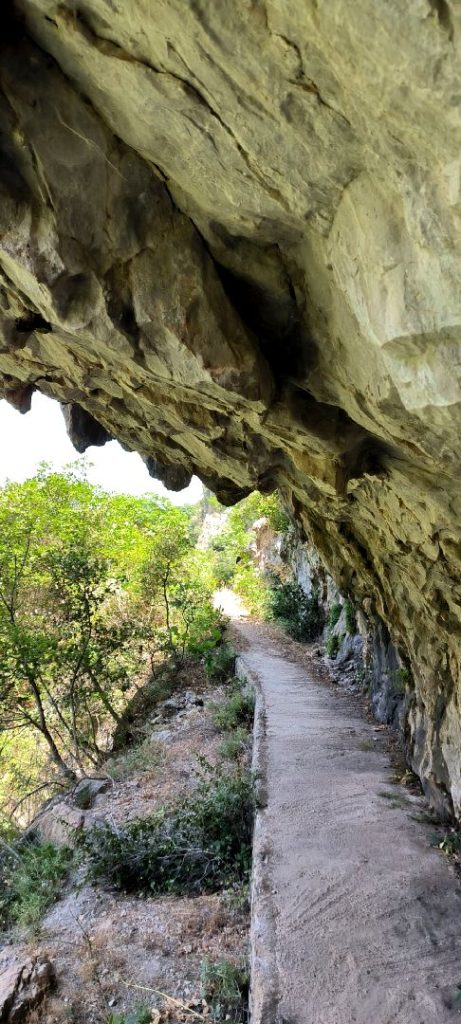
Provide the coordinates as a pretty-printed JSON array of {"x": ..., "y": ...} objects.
[
  {"x": 92, "y": 586},
  {"x": 61, "y": 655},
  {"x": 176, "y": 586},
  {"x": 235, "y": 563}
]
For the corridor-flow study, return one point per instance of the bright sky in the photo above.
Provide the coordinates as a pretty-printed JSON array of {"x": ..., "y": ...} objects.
[{"x": 40, "y": 436}]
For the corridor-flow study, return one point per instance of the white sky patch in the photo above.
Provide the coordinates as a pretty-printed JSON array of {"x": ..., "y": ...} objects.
[{"x": 40, "y": 436}]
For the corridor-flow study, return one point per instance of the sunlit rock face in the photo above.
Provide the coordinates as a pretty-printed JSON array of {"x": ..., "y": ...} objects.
[{"x": 230, "y": 233}]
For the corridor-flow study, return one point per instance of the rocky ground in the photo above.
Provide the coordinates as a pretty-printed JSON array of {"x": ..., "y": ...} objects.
[{"x": 111, "y": 953}]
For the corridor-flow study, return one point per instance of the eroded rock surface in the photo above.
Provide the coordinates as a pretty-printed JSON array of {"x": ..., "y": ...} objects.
[
  {"x": 22, "y": 987},
  {"x": 231, "y": 238}
]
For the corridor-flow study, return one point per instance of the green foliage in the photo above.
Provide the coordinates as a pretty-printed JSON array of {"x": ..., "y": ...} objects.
[
  {"x": 299, "y": 613},
  {"x": 219, "y": 663},
  {"x": 401, "y": 679},
  {"x": 237, "y": 708},
  {"x": 233, "y": 557},
  {"x": 251, "y": 585},
  {"x": 256, "y": 506},
  {"x": 142, "y": 1015},
  {"x": 335, "y": 612},
  {"x": 233, "y": 744},
  {"x": 31, "y": 877},
  {"x": 361, "y": 677},
  {"x": 450, "y": 844},
  {"x": 176, "y": 586},
  {"x": 93, "y": 588},
  {"x": 351, "y": 618},
  {"x": 225, "y": 988},
  {"x": 334, "y": 640},
  {"x": 199, "y": 844},
  {"x": 142, "y": 757},
  {"x": 237, "y": 899},
  {"x": 333, "y": 644}
]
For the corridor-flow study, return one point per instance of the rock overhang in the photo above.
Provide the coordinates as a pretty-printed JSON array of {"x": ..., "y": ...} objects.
[{"x": 243, "y": 262}]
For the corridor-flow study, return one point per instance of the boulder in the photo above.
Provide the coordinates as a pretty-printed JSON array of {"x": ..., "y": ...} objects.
[
  {"x": 57, "y": 824},
  {"x": 85, "y": 792}
]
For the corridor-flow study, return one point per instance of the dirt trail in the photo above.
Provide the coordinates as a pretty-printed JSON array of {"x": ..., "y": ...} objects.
[
  {"x": 230, "y": 603},
  {"x": 356, "y": 918}
]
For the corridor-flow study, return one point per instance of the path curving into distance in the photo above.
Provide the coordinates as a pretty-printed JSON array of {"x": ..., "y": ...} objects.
[{"x": 356, "y": 919}]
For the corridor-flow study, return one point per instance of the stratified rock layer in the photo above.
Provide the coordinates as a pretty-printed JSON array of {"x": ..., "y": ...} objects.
[{"x": 231, "y": 236}]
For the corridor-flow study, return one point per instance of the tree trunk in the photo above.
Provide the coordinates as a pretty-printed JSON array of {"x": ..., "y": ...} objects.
[{"x": 42, "y": 726}]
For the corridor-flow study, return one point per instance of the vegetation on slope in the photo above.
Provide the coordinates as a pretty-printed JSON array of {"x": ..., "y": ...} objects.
[
  {"x": 235, "y": 564},
  {"x": 189, "y": 847},
  {"x": 95, "y": 590}
]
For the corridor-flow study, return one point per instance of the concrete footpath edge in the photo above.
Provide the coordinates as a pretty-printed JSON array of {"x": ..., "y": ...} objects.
[{"x": 263, "y": 965}]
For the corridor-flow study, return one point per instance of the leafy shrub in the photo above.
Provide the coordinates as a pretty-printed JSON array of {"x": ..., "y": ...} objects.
[
  {"x": 233, "y": 744},
  {"x": 208, "y": 632},
  {"x": 237, "y": 709},
  {"x": 225, "y": 988},
  {"x": 299, "y": 613},
  {"x": 351, "y": 618},
  {"x": 219, "y": 663},
  {"x": 272, "y": 508},
  {"x": 31, "y": 877},
  {"x": 335, "y": 613},
  {"x": 250, "y": 584},
  {"x": 333, "y": 644},
  {"x": 199, "y": 844},
  {"x": 401, "y": 678}
]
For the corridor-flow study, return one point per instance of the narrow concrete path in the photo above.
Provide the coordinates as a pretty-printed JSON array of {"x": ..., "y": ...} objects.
[{"x": 355, "y": 917}]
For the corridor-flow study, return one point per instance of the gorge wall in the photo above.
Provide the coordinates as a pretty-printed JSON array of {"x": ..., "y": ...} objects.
[{"x": 230, "y": 237}]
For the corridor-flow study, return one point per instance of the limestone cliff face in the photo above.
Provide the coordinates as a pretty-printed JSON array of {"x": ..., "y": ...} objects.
[{"x": 230, "y": 236}]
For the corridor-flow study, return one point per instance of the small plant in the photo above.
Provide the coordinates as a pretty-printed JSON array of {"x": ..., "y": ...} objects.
[
  {"x": 393, "y": 799},
  {"x": 142, "y": 1015},
  {"x": 237, "y": 709},
  {"x": 31, "y": 877},
  {"x": 225, "y": 988},
  {"x": 351, "y": 617},
  {"x": 233, "y": 744},
  {"x": 401, "y": 679},
  {"x": 199, "y": 844},
  {"x": 335, "y": 612},
  {"x": 333, "y": 644},
  {"x": 141, "y": 758},
  {"x": 237, "y": 899},
  {"x": 366, "y": 745},
  {"x": 450, "y": 844},
  {"x": 360, "y": 677},
  {"x": 220, "y": 663},
  {"x": 424, "y": 818}
]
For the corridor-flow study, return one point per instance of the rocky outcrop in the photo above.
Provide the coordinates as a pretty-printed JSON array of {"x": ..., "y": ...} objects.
[
  {"x": 23, "y": 986},
  {"x": 230, "y": 237},
  {"x": 357, "y": 647}
]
